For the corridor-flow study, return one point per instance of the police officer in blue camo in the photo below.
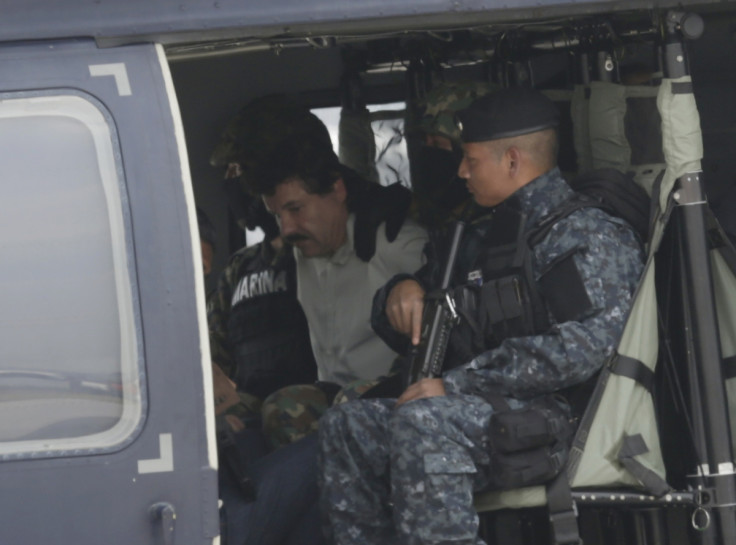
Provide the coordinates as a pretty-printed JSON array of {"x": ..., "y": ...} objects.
[{"x": 541, "y": 310}]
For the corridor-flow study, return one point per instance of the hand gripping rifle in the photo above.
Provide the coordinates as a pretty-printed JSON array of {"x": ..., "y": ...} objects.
[{"x": 438, "y": 319}]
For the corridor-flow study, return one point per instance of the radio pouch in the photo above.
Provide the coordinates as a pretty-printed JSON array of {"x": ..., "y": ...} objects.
[
  {"x": 529, "y": 445},
  {"x": 534, "y": 426}
]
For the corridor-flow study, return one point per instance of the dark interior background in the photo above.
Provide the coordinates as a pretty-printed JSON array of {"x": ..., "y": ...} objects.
[{"x": 212, "y": 88}]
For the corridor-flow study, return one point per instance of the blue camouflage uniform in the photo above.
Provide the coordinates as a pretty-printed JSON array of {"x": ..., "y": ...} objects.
[{"x": 408, "y": 474}]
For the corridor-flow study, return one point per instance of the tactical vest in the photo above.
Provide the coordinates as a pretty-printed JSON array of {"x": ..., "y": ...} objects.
[
  {"x": 496, "y": 293},
  {"x": 267, "y": 330}
]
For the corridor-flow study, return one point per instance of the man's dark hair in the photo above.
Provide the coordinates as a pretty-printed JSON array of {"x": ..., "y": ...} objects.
[
  {"x": 274, "y": 138},
  {"x": 313, "y": 162},
  {"x": 280, "y": 140},
  {"x": 296, "y": 156}
]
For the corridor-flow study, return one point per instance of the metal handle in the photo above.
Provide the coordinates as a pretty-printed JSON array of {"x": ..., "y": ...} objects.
[{"x": 164, "y": 514}]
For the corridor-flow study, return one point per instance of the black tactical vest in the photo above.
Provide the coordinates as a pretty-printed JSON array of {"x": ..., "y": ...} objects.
[
  {"x": 267, "y": 330},
  {"x": 495, "y": 291}
]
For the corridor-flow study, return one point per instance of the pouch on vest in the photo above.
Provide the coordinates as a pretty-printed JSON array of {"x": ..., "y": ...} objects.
[
  {"x": 529, "y": 428},
  {"x": 529, "y": 445},
  {"x": 529, "y": 467},
  {"x": 468, "y": 338},
  {"x": 564, "y": 290},
  {"x": 505, "y": 307},
  {"x": 497, "y": 298}
]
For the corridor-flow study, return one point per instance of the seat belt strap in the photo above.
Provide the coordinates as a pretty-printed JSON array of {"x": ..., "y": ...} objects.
[{"x": 563, "y": 513}]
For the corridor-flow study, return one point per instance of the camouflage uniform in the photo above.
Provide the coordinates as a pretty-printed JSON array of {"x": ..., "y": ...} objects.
[
  {"x": 258, "y": 332},
  {"x": 260, "y": 337},
  {"x": 441, "y": 103},
  {"x": 262, "y": 341},
  {"x": 439, "y": 195},
  {"x": 427, "y": 457},
  {"x": 293, "y": 412}
]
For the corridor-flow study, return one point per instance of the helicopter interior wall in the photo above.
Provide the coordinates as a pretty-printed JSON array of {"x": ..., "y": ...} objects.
[{"x": 211, "y": 89}]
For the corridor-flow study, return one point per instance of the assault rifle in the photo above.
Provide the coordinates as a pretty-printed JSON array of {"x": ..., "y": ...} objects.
[{"x": 438, "y": 318}]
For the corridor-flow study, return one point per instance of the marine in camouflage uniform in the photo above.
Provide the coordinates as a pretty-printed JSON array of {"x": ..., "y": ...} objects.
[
  {"x": 257, "y": 140},
  {"x": 406, "y": 472},
  {"x": 438, "y": 194},
  {"x": 258, "y": 333},
  {"x": 259, "y": 337}
]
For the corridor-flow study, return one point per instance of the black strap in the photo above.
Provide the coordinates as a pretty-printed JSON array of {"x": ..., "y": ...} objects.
[
  {"x": 718, "y": 240},
  {"x": 632, "y": 446},
  {"x": 729, "y": 367},
  {"x": 633, "y": 369},
  {"x": 390, "y": 386},
  {"x": 654, "y": 202},
  {"x": 376, "y": 204},
  {"x": 578, "y": 201},
  {"x": 563, "y": 513},
  {"x": 682, "y": 88}
]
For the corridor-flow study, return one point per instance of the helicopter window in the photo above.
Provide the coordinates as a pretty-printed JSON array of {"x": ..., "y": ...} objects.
[
  {"x": 392, "y": 159},
  {"x": 387, "y": 124},
  {"x": 69, "y": 343}
]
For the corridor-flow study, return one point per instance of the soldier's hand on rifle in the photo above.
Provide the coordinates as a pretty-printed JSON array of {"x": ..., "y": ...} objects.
[
  {"x": 427, "y": 387},
  {"x": 404, "y": 308}
]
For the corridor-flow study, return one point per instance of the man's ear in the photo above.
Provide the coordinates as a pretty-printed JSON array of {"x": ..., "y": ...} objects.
[
  {"x": 340, "y": 190},
  {"x": 513, "y": 156}
]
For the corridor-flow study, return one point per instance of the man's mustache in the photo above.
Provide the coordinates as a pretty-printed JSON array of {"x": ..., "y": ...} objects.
[{"x": 292, "y": 239}]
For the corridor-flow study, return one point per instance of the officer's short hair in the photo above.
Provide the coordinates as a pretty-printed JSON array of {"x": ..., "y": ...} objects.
[{"x": 542, "y": 146}]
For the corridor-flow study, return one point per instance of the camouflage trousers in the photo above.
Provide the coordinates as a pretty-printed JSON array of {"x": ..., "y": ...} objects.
[
  {"x": 404, "y": 474},
  {"x": 293, "y": 412}
]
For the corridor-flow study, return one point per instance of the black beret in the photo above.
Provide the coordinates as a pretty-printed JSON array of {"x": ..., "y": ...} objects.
[{"x": 506, "y": 113}]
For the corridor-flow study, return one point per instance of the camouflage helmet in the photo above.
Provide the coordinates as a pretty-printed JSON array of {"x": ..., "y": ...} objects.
[
  {"x": 441, "y": 103},
  {"x": 262, "y": 126}
]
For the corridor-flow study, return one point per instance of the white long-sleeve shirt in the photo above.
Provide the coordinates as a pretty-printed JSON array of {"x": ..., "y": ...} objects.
[{"x": 336, "y": 293}]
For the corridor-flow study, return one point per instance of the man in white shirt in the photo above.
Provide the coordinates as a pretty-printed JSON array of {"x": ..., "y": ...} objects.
[
  {"x": 349, "y": 237},
  {"x": 335, "y": 286}
]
